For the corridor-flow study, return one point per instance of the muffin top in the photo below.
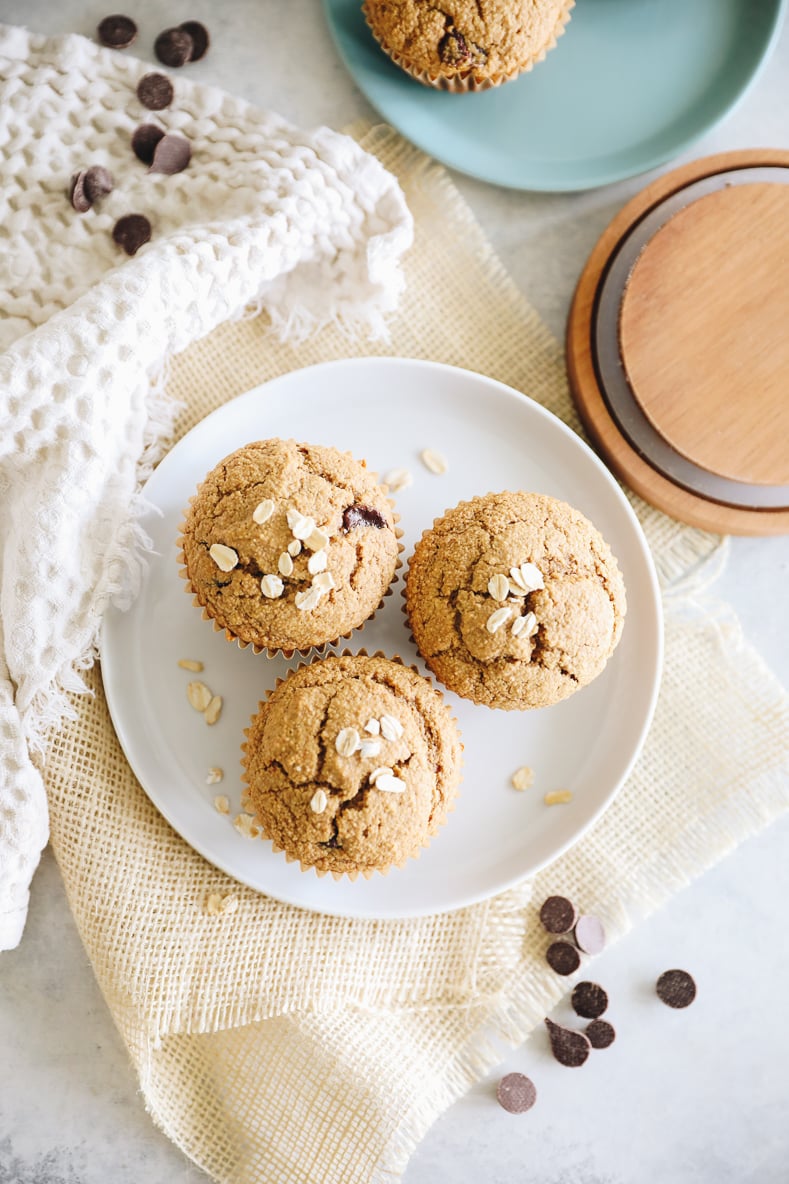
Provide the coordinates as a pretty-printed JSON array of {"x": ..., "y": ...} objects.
[
  {"x": 515, "y": 600},
  {"x": 289, "y": 545},
  {"x": 352, "y": 764},
  {"x": 488, "y": 37}
]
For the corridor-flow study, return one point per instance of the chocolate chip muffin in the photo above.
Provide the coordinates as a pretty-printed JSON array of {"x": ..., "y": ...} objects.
[
  {"x": 466, "y": 45},
  {"x": 352, "y": 764},
  {"x": 514, "y": 600},
  {"x": 289, "y": 546}
]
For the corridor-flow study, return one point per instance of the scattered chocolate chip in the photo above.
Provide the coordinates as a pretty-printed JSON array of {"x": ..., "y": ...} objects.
[
  {"x": 676, "y": 988},
  {"x": 589, "y": 934},
  {"x": 569, "y": 1047},
  {"x": 173, "y": 47},
  {"x": 131, "y": 232},
  {"x": 116, "y": 31},
  {"x": 97, "y": 182},
  {"x": 144, "y": 140},
  {"x": 589, "y": 1000},
  {"x": 563, "y": 958},
  {"x": 516, "y": 1093},
  {"x": 200, "y": 38},
  {"x": 77, "y": 195},
  {"x": 600, "y": 1033},
  {"x": 171, "y": 155},
  {"x": 362, "y": 516},
  {"x": 155, "y": 91},
  {"x": 558, "y": 914}
]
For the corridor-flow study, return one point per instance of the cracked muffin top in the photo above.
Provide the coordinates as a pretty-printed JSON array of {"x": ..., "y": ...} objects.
[
  {"x": 352, "y": 764},
  {"x": 466, "y": 44},
  {"x": 288, "y": 546},
  {"x": 515, "y": 600}
]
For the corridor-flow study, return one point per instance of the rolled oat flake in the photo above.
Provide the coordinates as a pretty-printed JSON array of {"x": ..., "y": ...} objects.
[
  {"x": 563, "y": 958},
  {"x": 116, "y": 31},
  {"x": 589, "y": 1000},
  {"x": 570, "y": 1048},
  {"x": 516, "y": 1093},
  {"x": 558, "y": 914},
  {"x": 676, "y": 988}
]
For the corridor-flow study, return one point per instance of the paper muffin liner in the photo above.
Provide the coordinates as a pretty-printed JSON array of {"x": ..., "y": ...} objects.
[
  {"x": 469, "y": 82},
  {"x": 367, "y": 872},
  {"x": 405, "y": 609},
  {"x": 318, "y": 649}
]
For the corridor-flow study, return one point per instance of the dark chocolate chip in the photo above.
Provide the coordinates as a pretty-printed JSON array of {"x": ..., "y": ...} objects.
[
  {"x": 600, "y": 1033},
  {"x": 516, "y": 1093},
  {"x": 676, "y": 988},
  {"x": 589, "y": 1000},
  {"x": 155, "y": 91},
  {"x": 362, "y": 516},
  {"x": 558, "y": 914},
  {"x": 171, "y": 155},
  {"x": 570, "y": 1048},
  {"x": 563, "y": 958},
  {"x": 131, "y": 232},
  {"x": 453, "y": 49},
  {"x": 144, "y": 140},
  {"x": 173, "y": 47},
  {"x": 76, "y": 193},
  {"x": 116, "y": 31},
  {"x": 97, "y": 182},
  {"x": 200, "y": 38},
  {"x": 589, "y": 934}
]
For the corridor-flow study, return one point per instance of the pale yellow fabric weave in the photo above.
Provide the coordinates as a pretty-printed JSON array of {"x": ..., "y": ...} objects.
[{"x": 280, "y": 1047}]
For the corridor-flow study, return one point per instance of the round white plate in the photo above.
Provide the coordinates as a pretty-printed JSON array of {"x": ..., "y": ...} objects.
[{"x": 387, "y": 410}]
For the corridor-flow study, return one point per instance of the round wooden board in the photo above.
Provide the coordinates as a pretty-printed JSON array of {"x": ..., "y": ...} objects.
[{"x": 766, "y": 464}]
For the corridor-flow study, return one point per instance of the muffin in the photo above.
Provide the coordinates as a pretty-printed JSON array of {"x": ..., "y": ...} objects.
[
  {"x": 466, "y": 45},
  {"x": 352, "y": 764},
  {"x": 289, "y": 546},
  {"x": 514, "y": 600}
]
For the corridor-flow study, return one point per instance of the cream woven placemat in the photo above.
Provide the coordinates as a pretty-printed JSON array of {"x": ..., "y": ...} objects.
[{"x": 283, "y": 1047}]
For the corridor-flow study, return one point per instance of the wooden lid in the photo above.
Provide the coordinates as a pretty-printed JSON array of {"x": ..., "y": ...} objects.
[{"x": 678, "y": 343}]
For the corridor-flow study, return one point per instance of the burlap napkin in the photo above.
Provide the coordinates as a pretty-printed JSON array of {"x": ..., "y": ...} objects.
[{"x": 280, "y": 1046}]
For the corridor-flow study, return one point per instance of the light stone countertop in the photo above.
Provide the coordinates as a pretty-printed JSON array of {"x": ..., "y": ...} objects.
[{"x": 697, "y": 1097}]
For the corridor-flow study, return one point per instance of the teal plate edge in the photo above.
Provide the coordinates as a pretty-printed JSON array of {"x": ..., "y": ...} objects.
[{"x": 628, "y": 87}]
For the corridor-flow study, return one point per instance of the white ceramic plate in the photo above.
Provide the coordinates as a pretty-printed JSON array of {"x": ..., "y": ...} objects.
[{"x": 387, "y": 410}]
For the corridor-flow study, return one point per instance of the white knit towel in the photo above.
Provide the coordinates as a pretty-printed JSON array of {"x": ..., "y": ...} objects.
[{"x": 305, "y": 225}]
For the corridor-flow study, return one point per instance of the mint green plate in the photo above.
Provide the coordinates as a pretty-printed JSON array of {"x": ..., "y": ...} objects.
[{"x": 630, "y": 84}]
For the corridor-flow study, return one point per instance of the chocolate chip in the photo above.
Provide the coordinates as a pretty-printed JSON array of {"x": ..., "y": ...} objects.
[
  {"x": 569, "y": 1047},
  {"x": 173, "y": 47},
  {"x": 200, "y": 38},
  {"x": 97, "y": 182},
  {"x": 676, "y": 988},
  {"x": 77, "y": 195},
  {"x": 116, "y": 31},
  {"x": 589, "y": 1000},
  {"x": 155, "y": 91},
  {"x": 362, "y": 516},
  {"x": 558, "y": 914},
  {"x": 131, "y": 232},
  {"x": 563, "y": 958},
  {"x": 144, "y": 140},
  {"x": 453, "y": 49},
  {"x": 589, "y": 934},
  {"x": 171, "y": 155},
  {"x": 600, "y": 1033},
  {"x": 516, "y": 1093}
]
